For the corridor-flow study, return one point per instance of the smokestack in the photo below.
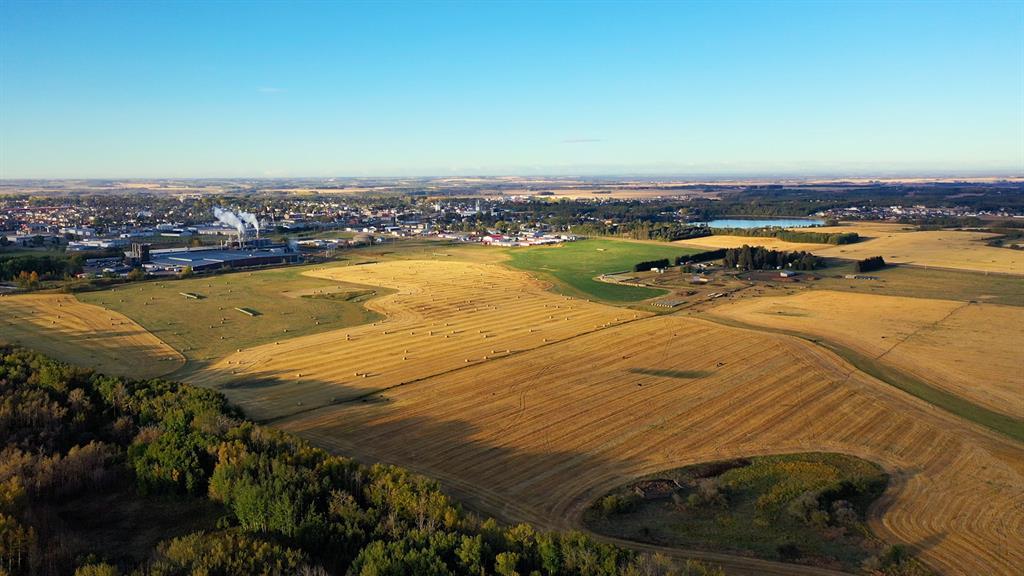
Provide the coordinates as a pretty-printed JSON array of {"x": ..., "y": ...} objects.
[
  {"x": 228, "y": 217},
  {"x": 252, "y": 220}
]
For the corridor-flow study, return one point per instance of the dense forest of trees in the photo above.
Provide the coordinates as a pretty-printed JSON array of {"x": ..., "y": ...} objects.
[
  {"x": 46, "y": 266},
  {"x": 807, "y": 200},
  {"x": 71, "y": 435},
  {"x": 760, "y": 258},
  {"x": 642, "y": 230}
]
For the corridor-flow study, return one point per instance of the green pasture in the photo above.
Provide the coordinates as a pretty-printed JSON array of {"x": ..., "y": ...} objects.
[{"x": 573, "y": 266}]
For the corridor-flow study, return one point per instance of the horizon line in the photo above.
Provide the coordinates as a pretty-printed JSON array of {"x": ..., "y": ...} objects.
[{"x": 691, "y": 176}]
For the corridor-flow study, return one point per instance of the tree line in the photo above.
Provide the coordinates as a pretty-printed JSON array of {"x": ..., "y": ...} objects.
[
  {"x": 760, "y": 258},
  {"x": 706, "y": 256},
  {"x": 651, "y": 264},
  {"x": 792, "y": 236},
  {"x": 45, "y": 266},
  {"x": 287, "y": 507},
  {"x": 643, "y": 230},
  {"x": 869, "y": 264}
]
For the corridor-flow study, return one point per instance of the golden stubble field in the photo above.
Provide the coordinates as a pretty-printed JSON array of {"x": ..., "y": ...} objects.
[
  {"x": 723, "y": 241},
  {"x": 537, "y": 436},
  {"x": 528, "y": 405},
  {"x": 972, "y": 350},
  {"x": 939, "y": 249},
  {"x": 443, "y": 315},
  {"x": 67, "y": 329}
]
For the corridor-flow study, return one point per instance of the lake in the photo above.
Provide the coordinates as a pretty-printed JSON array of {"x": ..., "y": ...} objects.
[{"x": 765, "y": 222}]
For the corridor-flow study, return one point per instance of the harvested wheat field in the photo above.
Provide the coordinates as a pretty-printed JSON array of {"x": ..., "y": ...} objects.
[
  {"x": 971, "y": 350},
  {"x": 865, "y": 229},
  {"x": 537, "y": 436},
  {"x": 723, "y": 241},
  {"x": 87, "y": 335},
  {"x": 444, "y": 315},
  {"x": 938, "y": 249}
]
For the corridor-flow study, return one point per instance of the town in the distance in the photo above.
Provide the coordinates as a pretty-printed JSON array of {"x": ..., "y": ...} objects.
[{"x": 167, "y": 227}]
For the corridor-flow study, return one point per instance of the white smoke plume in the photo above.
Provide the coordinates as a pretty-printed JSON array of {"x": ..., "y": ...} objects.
[
  {"x": 228, "y": 217},
  {"x": 252, "y": 220}
]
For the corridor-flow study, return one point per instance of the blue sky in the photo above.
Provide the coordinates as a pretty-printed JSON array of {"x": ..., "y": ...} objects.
[{"x": 189, "y": 89}]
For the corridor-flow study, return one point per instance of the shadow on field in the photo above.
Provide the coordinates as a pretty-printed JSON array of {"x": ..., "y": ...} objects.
[
  {"x": 671, "y": 373},
  {"x": 502, "y": 472},
  {"x": 507, "y": 482},
  {"x": 271, "y": 395}
]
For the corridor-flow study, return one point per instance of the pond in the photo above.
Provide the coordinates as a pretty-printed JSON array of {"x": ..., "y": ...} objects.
[{"x": 763, "y": 222}]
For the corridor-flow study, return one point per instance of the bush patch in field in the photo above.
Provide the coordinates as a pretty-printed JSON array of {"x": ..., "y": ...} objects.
[{"x": 803, "y": 508}]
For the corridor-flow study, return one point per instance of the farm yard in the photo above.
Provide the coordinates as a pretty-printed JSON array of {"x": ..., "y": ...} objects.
[
  {"x": 87, "y": 335},
  {"x": 442, "y": 315},
  {"x": 972, "y": 350},
  {"x": 539, "y": 435}
]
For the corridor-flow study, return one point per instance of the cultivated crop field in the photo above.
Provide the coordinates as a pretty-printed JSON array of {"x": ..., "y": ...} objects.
[
  {"x": 208, "y": 328},
  {"x": 940, "y": 248},
  {"x": 972, "y": 350},
  {"x": 442, "y": 315},
  {"x": 529, "y": 402},
  {"x": 865, "y": 229},
  {"x": 539, "y": 435},
  {"x": 944, "y": 284},
  {"x": 723, "y": 241},
  {"x": 952, "y": 249},
  {"x": 86, "y": 335}
]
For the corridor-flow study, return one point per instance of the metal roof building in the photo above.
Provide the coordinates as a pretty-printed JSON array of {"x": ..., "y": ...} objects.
[{"x": 205, "y": 259}]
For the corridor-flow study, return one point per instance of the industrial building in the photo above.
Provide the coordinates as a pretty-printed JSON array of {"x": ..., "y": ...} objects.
[{"x": 209, "y": 259}]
